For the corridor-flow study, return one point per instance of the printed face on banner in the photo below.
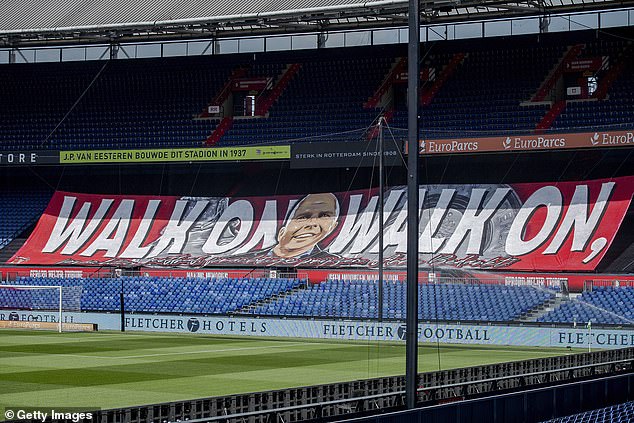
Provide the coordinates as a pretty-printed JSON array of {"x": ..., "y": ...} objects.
[
  {"x": 567, "y": 226},
  {"x": 313, "y": 219}
]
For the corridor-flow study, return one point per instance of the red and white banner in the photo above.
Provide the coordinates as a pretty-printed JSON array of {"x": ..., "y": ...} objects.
[{"x": 566, "y": 226}]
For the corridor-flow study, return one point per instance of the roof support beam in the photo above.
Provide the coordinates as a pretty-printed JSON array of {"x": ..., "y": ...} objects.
[{"x": 343, "y": 15}]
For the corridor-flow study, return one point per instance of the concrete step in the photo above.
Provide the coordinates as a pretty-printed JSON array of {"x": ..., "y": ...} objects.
[{"x": 544, "y": 308}]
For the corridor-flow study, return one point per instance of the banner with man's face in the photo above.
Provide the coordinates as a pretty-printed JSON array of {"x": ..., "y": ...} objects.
[{"x": 538, "y": 226}]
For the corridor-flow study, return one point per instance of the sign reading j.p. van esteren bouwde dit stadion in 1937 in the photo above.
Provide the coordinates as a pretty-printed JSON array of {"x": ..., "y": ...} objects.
[{"x": 175, "y": 155}]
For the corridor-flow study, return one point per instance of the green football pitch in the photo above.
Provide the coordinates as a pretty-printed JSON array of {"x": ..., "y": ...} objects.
[{"x": 111, "y": 369}]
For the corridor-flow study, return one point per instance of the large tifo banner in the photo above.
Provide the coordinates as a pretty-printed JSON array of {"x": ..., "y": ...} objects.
[{"x": 538, "y": 226}]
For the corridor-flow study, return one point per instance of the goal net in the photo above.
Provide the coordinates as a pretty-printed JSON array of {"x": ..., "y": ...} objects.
[{"x": 47, "y": 303}]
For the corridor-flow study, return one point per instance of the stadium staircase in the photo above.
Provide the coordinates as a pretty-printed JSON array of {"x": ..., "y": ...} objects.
[
  {"x": 224, "y": 94},
  {"x": 612, "y": 75},
  {"x": 221, "y": 100},
  {"x": 549, "y": 82},
  {"x": 428, "y": 95},
  {"x": 250, "y": 308},
  {"x": 264, "y": 103},
  {"x": 544, "y": 308},
  {"x": 605, "y": 83},
  {"x": 548, "y": 119},
  {"x": 225, "y": 124},
  {"x": 603, "y": 305},
  {"x": 324, "y": 100},
  {"x": 611, "y": 104},
  {"x": 378, "y": 98}
]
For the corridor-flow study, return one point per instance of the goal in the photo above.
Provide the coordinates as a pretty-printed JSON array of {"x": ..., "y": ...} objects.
[{"x": 54, "y": 300}]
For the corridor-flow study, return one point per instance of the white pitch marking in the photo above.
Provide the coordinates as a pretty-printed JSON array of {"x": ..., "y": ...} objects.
[{"x": 179, "y": 352}]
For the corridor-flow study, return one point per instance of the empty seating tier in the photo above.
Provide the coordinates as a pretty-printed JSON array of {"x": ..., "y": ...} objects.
[
  {"x": 621, "y": 413},
  {"x": 151, "y": 103},
  {"x": 358, "y": 299},
  {"x": 19, "y": 211},
  {"x": 604, "y": 305},
  {"x": 159, "y": 294}
]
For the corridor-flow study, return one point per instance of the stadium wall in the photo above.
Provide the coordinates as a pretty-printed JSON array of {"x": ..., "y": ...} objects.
[{"x": 579, "y": 337}]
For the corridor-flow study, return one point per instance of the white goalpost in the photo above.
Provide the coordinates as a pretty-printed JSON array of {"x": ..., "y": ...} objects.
[{"x": 54, "y": 299}]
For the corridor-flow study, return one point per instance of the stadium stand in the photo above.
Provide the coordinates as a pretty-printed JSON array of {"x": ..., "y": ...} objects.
[
  {"x": 123, "y": 103},
  {"x": 621, "y": 413},
  {"x": 603, "y": 305},
  {"x": 358, "y": 299},
  {"x": 506, "y": 78},
  {"x": 339, "y": 299},
  {"x": 507, "y": 84},
  {"x": 128, "y": 106},
  {"x": 322, "y": 100},
  {"x": 599, "y": 110},
  {"x": 292, "y": 297},
  {"x": 159, "y": 294},
  {"x": 161, "y": 102}
]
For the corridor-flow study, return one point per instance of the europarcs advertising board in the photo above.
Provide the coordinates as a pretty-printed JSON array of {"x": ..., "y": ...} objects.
[{"x": 579, "y": 337}]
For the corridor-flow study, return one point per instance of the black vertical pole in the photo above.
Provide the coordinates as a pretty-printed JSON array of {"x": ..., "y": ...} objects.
[
  {"x": 411, "y": 358},
  {"x": 122, "y": 303},
  {"x": 381, "y": 164}
]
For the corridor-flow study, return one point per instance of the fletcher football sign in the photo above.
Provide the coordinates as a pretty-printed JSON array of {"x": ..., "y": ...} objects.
[{"x": 567, "y": 226}]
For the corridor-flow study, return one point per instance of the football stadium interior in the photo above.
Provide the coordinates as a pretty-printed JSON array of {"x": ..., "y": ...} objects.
[{"x": 204, "y": 211}]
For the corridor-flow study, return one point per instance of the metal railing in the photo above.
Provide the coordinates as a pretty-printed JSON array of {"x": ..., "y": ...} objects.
[{"x": 360, "y": 397}]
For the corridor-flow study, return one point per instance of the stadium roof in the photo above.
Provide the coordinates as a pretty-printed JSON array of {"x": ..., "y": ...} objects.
[{"x": 30, "y": 23}]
